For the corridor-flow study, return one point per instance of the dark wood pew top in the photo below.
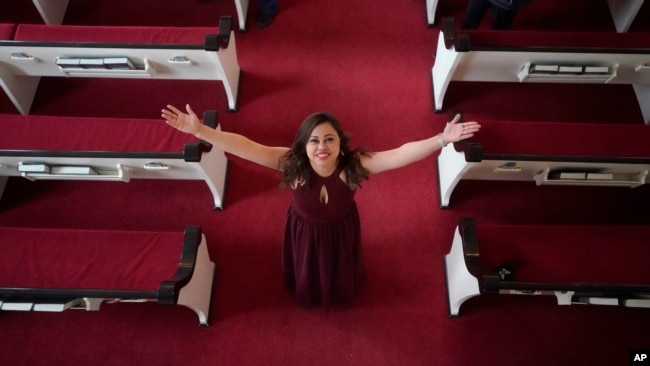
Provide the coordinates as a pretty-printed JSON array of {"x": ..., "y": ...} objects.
[{"x": 49, "y": 133}]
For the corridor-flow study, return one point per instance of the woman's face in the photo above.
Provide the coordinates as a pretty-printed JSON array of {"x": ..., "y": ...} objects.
[{"x": 323, "y": 148}]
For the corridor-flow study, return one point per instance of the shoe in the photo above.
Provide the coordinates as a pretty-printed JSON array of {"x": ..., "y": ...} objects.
[{"x": 264, "y": 20}]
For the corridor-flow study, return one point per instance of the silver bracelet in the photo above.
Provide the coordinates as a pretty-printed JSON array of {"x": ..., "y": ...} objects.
[{"x": 441, "y": 141}]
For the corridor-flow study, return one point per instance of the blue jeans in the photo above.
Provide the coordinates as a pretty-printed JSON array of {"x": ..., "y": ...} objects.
[{"x": 268, "y": 7}]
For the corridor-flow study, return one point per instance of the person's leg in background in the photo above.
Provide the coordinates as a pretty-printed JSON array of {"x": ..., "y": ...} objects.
[
  {"x": 268, "y": 10},
  {"x": 474, "y": 13},
  {"x": 502, "y": 19}
]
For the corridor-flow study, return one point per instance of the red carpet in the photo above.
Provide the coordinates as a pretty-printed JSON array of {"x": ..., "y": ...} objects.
[{"x": 369, "y": 64}]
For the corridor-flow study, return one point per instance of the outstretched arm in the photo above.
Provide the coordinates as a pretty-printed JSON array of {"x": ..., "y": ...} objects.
[
  {"x": 417, "y": 150},
  {"x": 231, "y": 143}
]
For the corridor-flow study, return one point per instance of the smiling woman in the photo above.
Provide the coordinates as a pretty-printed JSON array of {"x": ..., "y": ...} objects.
[{"x": 321, "y": 253}]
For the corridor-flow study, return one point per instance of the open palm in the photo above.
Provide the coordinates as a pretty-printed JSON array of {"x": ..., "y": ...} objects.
[{"x": 185, "y": 122}]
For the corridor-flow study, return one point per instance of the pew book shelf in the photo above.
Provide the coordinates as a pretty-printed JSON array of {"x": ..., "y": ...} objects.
[
  {"x": 147, "y": 71},
  {"x": 599, "y": 177},
  {"x": 76, "y": 172}
]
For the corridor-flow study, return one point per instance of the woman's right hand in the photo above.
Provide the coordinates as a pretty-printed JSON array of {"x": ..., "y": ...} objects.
[{"x": 185, "y": 122}]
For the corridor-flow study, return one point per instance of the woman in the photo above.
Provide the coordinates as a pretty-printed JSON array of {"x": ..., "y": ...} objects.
[{"x": 321, "y": 253}]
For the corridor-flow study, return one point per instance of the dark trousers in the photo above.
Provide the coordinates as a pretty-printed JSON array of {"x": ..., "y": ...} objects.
[
  {"x": 268, "y": 7},
  {"x": 476, "y": 10}
]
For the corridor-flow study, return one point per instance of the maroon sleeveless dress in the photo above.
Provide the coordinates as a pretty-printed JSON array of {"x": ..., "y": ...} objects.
[{"x": 321, "y": 253}]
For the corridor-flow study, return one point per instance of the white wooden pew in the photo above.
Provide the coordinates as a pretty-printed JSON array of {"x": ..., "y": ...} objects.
[
  {"x": 623, "y": 12},
  {"x": 542, "y": 57},
  {"x": 431, "y": 7},
  {"x": 108, "y": 149},
  {"x": 53, "y": 270},
  {"x": 578, "y": 264},
  {"x": 184, "y": 53},
  {"x": 548, "y": 153},
  {"x": 53, "y": 11}
]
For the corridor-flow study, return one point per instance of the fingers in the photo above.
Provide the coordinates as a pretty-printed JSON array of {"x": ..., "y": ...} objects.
[
  {"x": 189, "y": 110},
  {"x": 174, "y": 109},
  {"x": 167, "y": 114},
  {"x": 456, "y": 119},
  {"x": 172, "y": 114},
  {"x": 469, "y": 128}
]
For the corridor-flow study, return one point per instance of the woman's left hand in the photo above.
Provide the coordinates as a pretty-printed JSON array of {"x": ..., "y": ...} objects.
[{"x": 455, "y": 131}]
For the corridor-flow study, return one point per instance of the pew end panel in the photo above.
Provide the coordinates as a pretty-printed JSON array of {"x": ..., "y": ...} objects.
[
  {"x": 557, "y": 57},
  {"x": 242, "y": 12},
  {"x": 462, "y": 269},
  {"x": 624, "y": 12},
  {"x": 52, "y": 11},
  {"x": 431, "y": 6},
  {"x": 199, "y": 53},
  {"x": 19, "y": 89},
  {"x": 469, "y": 273},
  {"x": 92, "y": 267}
]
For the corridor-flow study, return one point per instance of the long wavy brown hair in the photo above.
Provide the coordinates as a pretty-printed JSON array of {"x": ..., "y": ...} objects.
[{"x": 295, "y": 164}]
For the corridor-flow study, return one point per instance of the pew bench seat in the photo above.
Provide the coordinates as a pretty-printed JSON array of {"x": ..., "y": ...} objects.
[
  {"x": 180, "y": 53},
  {"x": 53, "y": 11},
  {"x": 548, "y": 153},
  {"x": 600, "y": 265},
  {"x": 108, "y": 149},
  {"x": 7, "y": 31},
  {"x": 542, "y": 57},
  {"x": 46, "y": 269},
  {"x": 623, "y": 12}
]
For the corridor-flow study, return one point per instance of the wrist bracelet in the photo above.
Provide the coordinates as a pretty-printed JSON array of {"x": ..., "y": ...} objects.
[{"x": 441, "y": 141}]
